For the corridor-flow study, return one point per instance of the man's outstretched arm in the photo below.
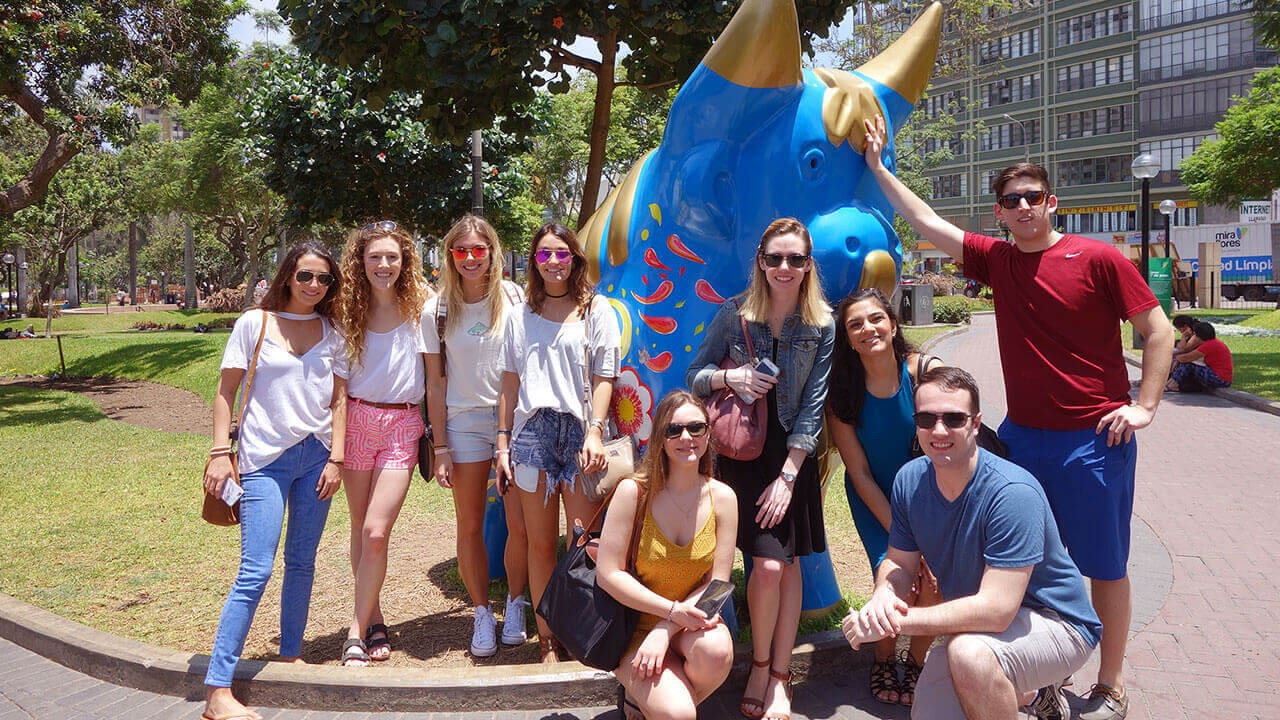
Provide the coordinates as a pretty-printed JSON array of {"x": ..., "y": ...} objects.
[{"x": 945, "y": 236}]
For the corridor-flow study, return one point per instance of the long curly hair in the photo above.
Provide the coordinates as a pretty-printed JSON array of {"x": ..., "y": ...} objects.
[
  {"x": 451, "y": 279},
  {"x": 847, "y": 390},
  {"x": 276, "y": 298},
  {"x": 655, "y": 466},
  {"x": 353, "y": 302},
  {"x": 580, "y": 287}
]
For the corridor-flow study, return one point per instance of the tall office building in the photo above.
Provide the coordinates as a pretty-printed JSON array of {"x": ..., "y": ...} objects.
[
  {"x": 169, "y": 127},
  {"x": 1082, "y": 87}
]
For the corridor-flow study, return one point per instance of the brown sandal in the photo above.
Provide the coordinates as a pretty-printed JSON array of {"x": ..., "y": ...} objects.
[
  {"x": 786, "y": 682},
  {"x": 547, "y": 645},
  {"x": 910, "y": 676},
  {"x": 758, "y": 704},
  {"x": 884, "y": 680}
]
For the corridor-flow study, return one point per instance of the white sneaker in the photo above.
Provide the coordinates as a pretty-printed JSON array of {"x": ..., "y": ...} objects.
[
  {"x": 513, "y": 632},
  {"x": 483, "y": 640}
]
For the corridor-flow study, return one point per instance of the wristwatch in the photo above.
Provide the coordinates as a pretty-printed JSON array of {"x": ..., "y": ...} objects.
[{"x": 788, "y": 477}]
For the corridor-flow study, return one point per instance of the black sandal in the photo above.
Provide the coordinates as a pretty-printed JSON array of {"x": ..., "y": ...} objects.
[
  {"x": 354, "y": 653},
  {"x": 910, "y": 676},
  {"x": 372, "y": 643},
  {"x": 884, "y": 679}
]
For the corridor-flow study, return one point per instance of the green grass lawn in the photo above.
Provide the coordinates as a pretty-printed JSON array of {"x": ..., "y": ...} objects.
[
  {"x": 917, "y": 335},
  {"x": 118, "y": 320}
]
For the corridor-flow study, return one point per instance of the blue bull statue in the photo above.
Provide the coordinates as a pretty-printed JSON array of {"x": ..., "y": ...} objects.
[{"x": 752, "y": 136}]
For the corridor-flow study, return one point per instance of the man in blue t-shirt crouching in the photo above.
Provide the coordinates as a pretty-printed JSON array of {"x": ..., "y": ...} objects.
[{"x": 1014, "y": 605}]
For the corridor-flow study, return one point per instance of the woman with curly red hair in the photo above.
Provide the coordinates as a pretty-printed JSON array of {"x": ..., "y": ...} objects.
[{"x": 383, "y": 292}]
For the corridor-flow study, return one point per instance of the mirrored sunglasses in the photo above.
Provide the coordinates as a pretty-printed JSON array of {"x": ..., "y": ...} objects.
[
  {"x": 544, "y": 256},
  {"x": 478, "y": 252},
  {"x": 381, "y": 226}
]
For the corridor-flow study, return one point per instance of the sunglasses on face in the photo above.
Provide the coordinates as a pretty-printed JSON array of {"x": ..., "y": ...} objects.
[
  {"x": 306, "y": 276},
  {"x": 774, "y": 260},
  {"x": 561, "y": 256},
  {"x": 1033, "y": 198},
  {"x": 479, "y": 252},
  {"x": 953, "y": 420},
  {"x": 381, "y": 226},
  {"x": 696, "y": 429}
]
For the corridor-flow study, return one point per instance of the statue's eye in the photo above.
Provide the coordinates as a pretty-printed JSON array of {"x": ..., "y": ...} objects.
[{"x": 813, "y": 164}]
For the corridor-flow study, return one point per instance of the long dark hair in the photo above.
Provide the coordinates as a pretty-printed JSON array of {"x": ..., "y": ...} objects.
[
  {"x": 848, "y": 380},
  {"x": 580, "y": 287},
  {"x": 277, "y": 296}
]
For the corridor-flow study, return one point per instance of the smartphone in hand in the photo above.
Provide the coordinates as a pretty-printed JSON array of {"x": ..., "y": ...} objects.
[
  {"x": 767, "y": 367},
  {"x": 714, "y": 597}
]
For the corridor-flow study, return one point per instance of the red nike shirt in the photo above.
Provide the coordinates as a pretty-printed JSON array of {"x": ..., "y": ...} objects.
[{"x": 1058, "y": 316}]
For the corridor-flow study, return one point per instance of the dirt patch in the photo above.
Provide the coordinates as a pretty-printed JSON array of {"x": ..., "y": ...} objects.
[{"x": 137, "y": 402}]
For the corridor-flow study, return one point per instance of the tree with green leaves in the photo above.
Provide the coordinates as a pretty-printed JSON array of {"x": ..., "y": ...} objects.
[
  {"x": 336, "y": 159},
  {"x": 472, "y": 62},
  {"x": 1266, "y": 21},
  {"x": 73, "y": 66},
  {"x": 1244, "y": 162}
]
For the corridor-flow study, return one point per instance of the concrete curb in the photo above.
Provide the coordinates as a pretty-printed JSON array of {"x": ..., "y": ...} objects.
[
  {"x": 133, "y": 664},
  {"x": 1239, "y": 397},
  {"x": 929, "y": 344}
]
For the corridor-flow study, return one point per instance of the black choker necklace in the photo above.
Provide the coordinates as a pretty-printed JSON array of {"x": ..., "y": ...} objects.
[{"x": 566, "y": 292}]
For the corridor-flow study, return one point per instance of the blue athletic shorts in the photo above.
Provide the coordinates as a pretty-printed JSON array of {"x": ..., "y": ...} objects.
[{"x": 1090, "y": 489}]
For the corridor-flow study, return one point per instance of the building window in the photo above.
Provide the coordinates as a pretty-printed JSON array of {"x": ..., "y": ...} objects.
[
  {"x": 1090, "y": 26},
  {"x": 1098, "y": 121},
  {"x": 1201, "y": 51},
  {"x": 950, "y": 102},
  {"x": 955, "y": 144},
  {"x": 1009, "y": 135},
  {"x": 1015, "y": 45},
  {"x": 1096, "y": 73},
  {"x": 1010, "y": 90},
  {"x": 1116, "y": 221},
  {"x": 1167, "y": 13},
  {"x": 1172, "y": 151},
  {"x": 151, "y": 115},
  {"x": 999, "y": 10},
  {"x": 949, "y": 186},
  {"x": 1189, "y": 106},
  {"x": 1091, "y": 171}
]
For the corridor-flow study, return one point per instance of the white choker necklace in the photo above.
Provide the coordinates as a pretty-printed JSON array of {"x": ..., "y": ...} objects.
[{"x": 296, "y": 316}]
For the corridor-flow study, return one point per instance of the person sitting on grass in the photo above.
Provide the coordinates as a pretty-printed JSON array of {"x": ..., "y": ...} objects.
[
  {"x": 1014, "y": 605},
  {"x": 1208, "y": 365}
]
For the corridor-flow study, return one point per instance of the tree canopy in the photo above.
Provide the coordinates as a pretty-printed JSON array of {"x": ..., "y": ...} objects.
[
  {"x": 72, "y": 66},
  {"x": 473, "y": 62},
  {"x": 1244, "y": 162}
]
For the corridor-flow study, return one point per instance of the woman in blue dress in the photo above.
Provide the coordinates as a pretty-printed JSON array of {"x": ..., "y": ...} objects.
[{"x": 869, "y": 411}]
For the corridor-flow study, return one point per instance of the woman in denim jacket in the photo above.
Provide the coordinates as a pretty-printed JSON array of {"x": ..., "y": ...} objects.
[{"x": 779, "y": 497}]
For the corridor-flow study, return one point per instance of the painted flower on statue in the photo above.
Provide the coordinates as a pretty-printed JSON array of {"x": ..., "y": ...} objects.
[{"x": 632, "y": 405}]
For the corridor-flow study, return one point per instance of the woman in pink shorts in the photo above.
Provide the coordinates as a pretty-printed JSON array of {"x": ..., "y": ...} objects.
[{"x": 383, "y": 292}]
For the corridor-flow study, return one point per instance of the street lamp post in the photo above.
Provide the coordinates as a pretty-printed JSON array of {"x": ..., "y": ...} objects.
[
  {"x": 1145, "y": 167},
  {"x": 1167, "y": 208},
  {"x": 1026, "y": 141},
  {"x": 8, "y": 277}
]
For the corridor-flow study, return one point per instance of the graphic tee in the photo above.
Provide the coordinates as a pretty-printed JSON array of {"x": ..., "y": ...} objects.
[{"x": 473, "y": 362}]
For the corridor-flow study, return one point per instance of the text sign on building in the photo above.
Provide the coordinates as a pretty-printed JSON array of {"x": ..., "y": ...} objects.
[{"x": 1255, "y": 211}]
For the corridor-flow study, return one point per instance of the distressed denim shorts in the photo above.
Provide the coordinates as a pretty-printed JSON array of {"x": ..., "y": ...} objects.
[{"x": 549, "y": 441}]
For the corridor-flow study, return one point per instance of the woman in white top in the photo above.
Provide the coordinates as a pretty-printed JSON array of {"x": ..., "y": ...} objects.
[
  {"x": 542, "y": 442},
  {"x": 381, "y": 301},
  {"x": 463, "y": 380},
  {"x": 294, "y": 414}
]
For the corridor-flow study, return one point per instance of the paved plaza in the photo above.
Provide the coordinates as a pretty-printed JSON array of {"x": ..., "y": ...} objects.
[{"x": 1206, "y": 567}]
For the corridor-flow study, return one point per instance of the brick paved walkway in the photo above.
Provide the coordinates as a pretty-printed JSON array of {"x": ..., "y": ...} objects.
[
  {"x": 1206, "y": 491},
  {"x": 1207, "y": 487}
]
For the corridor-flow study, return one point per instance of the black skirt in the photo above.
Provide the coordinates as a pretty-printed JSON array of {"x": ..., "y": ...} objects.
[{"x": 801, "y": 530}]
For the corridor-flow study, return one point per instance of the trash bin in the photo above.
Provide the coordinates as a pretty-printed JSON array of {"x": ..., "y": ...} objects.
[{"x": 917, "y": 304}]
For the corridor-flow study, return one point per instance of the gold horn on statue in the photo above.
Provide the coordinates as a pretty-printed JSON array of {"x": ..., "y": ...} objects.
[
  {"x": 907, "y": 64},
  {"x": 760, "y": 47}
]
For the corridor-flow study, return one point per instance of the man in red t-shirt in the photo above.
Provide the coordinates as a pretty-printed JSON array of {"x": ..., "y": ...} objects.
[{"x": 1060, "y": 301}]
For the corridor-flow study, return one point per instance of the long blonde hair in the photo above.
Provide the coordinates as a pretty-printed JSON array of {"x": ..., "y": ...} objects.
[
  {"x": 451, "y": 279},
  {"x": 812, "y": 304},
  {"x": 655, "y": 467},
  {"x": 353, "y": 303}
]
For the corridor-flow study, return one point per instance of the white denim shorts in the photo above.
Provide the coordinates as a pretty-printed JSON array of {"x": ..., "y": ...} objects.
[{"x": 472, "y": 433}]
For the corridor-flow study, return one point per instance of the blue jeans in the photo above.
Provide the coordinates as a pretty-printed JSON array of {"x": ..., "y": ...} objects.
[{"x": 290, "y": 480}]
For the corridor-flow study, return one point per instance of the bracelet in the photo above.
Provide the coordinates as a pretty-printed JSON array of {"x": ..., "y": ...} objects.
[
  {"x": 496, "y": 453},
  {"x": 598, "y": 424},
  {"x": 219, "y": 451},
  {"x": 504, "y": 432},
  {"x": 336, "y": 462},
  {"x": 672, "y": 610},
  {"x": 441, "y": 449}
]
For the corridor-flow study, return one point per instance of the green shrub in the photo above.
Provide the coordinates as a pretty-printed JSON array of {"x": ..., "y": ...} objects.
[{"x": 951, "y": 309}]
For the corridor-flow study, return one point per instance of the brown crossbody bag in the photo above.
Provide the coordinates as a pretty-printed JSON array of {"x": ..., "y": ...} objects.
[{"x": 214, "y": 510}]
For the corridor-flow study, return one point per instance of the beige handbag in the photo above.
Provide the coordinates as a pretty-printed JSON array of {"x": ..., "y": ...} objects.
[
  {"x": 215, "y": 511},
  {"x": 621, "y": 454}
]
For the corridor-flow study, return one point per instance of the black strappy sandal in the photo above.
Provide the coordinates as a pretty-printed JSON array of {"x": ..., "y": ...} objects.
[
  {"x": 884, "y": 679},
  {"x": 375, "y": 643},
  {"x": 910, "y": 676},
  {"x": 354, "y": 653}
]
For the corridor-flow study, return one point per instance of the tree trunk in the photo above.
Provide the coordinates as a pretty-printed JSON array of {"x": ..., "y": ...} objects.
[
  {"x": 605, "y": 85},
  {"x": 33, "y": 187},
  {"x": 251, "y": 270}
]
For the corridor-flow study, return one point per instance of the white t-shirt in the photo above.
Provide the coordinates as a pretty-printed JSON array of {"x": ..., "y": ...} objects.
[
  {"x": 549, "y": 357},
  {"x": 473, "y": 362},
  {"x": 391, "y": 368},
  {"x": 291, "y": 394}
]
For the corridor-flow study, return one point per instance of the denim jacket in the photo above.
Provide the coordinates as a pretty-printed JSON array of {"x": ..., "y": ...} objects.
[{"x": 804, "y": 359}]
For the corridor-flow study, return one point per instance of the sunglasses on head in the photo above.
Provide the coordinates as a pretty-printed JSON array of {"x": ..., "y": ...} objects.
[
  {"x": 544, "y": 256},
  {"x": 1033, "y": 198},
  {"x": 953, "y": 420},
  {"x": 696, "y": 429},
  {"x": 381, "y": 226},
  {"x": 774, "y": 260},
  {"x": 478, "y": 252},
  {"x": 306, "y": 276}
]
